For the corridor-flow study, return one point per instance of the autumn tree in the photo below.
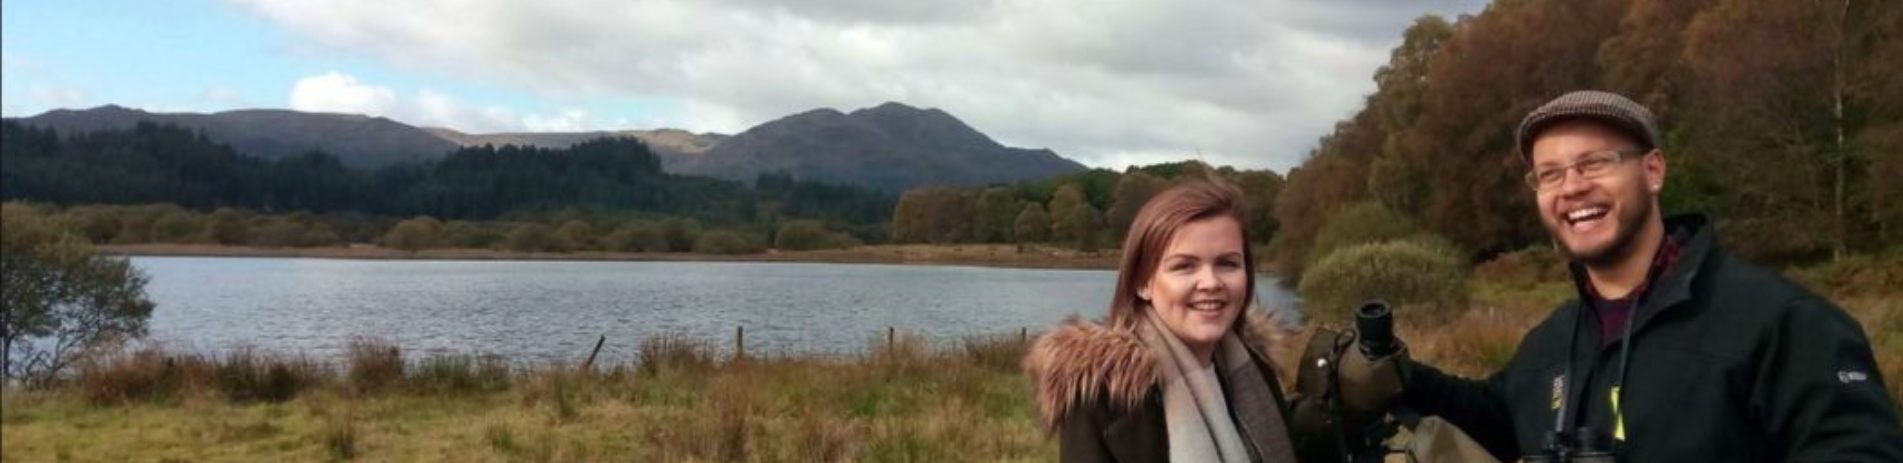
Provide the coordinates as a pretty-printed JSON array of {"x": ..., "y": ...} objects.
[
  {"x": 1133, "y": 191},
  {"x": 1065, "y": 207},
  {"x": 996, "y": 213},
  {"x": 1033, "y": 225},
  {"x": 951, "y": 216},
  {"x": 911, "y": 219},
  {"x": 1259, "y": 189}
]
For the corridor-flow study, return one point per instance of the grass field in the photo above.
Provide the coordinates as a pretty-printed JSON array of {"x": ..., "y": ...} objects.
[
  {"x": 907, "y": 402},
  {"x": 901, "y": 401}
]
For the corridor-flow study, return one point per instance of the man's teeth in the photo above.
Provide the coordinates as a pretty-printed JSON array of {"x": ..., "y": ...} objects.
[{"x": 1583, "y": 214}]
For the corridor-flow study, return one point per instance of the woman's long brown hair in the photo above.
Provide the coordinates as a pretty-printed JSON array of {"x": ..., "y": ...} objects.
[{"x": 1156, "y": 224}]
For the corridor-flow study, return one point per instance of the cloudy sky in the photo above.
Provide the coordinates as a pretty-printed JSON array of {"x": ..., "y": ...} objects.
[{"x": 1251, "y": 83}]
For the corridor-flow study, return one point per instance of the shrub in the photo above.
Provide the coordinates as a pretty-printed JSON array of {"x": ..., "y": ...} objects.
[
  {"x": 176, "y": 227},
  {"x": 997, "y": 352},
  {"x": 670, "y": 351},
  {"x": 244, "y": 375},
  {"x": 1525, "y": 267},
  {"x": 466, "y": 234},
  {"x": 460, "y": 374},
  {"x": 422, "y": 232},
  {"x": 806, "y": 235},
  {"x": 1361, "y": 223},
  {"x": 681, "y": 234},
  {"x": 372, "y": 365},
  {"x": 1412, "y": 272},
  {"x": 275, "y": 233},
  {"x": 637, "y": 236},
  {"x": 578, "y": 234},
  {"x": 1853, "y": 275},
  {"x": 122, "y": 375},
  {"x": 728, "y": 242},
  {"x": 228, "y": 226},
  {"x": 532, "y": 237},
  {"x": 99, "y": 224}
]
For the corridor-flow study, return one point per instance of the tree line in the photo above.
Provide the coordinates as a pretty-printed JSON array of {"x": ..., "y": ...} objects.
[
  {"x": 1089, "y": 210},
  {"x": 197, "y": 190},
  {"x": 1783, "y": 120}
]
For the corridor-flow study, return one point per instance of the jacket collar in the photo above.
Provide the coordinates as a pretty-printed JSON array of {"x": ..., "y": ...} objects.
[
  {"x": 1084, "y": 364},
  {"x": 1693, "y": 235}
]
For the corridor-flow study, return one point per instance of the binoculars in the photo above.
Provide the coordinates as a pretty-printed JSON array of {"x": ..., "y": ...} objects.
[{"x": 1583, "y": 446}]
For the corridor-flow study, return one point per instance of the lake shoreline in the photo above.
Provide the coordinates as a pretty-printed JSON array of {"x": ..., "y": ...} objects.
[{"x": 997, "y": 256}]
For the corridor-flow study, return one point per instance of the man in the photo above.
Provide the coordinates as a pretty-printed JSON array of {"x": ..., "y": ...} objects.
[{"x": 1674, "y": 350}]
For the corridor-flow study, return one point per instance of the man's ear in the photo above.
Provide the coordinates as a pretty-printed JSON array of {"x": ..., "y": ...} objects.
[{"x": 1654, "y": 163}]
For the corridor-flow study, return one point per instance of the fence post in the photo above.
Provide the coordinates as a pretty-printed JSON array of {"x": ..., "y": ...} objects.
[
  {"x": 1023, "y": 334},
  {"x": 589, "y": 365},
  {"x": 890, "y": 333},
  {"x": 739, "y": 342}
]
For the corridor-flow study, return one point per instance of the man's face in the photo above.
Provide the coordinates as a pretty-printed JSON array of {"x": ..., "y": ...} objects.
[{"x": 1594, "y": 217}]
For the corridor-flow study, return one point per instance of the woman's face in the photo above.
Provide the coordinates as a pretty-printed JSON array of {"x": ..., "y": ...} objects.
[{"x": 1199, "y": 286}]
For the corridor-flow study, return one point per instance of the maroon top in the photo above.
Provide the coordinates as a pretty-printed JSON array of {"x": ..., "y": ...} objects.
[{"x": 1613, "y": 312}]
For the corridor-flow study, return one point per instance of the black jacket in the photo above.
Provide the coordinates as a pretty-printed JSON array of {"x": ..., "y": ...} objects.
[{"x": 1730, "y": 362}]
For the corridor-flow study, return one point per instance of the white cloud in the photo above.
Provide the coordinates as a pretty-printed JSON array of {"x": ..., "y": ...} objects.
[
  {"x": 1251, "y": 83},
  {"x": 59, "y": 97},
  {"x": 439, "y": 109},
  {"x": 338, "y": 93},
  {"x": 342, "y": 93},
  {"x": 569, "y": 120},
  {"x": 223, "y": 97}
]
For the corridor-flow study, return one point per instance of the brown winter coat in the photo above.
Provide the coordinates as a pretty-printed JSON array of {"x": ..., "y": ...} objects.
[{"x": 1099, "y": 391}]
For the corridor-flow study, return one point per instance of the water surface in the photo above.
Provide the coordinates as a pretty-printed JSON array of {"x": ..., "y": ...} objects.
[{"x": 554, "y": 310}]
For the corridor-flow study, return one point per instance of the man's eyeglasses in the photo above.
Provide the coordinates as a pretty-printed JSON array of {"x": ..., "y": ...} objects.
[{"x": 1591, "y": 165}]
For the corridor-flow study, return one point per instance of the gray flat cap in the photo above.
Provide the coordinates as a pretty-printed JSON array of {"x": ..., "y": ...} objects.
[{"x": 1616, "y": 111}]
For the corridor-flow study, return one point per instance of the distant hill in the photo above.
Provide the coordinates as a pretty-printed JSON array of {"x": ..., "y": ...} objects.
[
  {"x": 358, "y": 141},
  {"x": 889, "y": 147},
  {"x": 669, "y": 144}
]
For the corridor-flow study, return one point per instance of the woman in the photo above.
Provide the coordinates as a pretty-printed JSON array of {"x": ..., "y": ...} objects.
[{"x": 1178, "y": 372}]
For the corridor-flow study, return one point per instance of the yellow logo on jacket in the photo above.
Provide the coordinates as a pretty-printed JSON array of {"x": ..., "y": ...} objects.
[{"x": 1618, "y": 419}]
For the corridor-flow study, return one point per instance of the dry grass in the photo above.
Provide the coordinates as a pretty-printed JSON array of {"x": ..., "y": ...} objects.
[
  {"x": 903, "y": 400},
  {"x": 148, "y": 373},
  {"x": 911, "y": 401},
  {"x": 1882, "y": 319},
  {"x": 372, "y": 365}
]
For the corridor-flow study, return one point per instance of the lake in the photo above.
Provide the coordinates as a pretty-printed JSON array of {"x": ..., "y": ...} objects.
[{"x": 542, "y": 311}]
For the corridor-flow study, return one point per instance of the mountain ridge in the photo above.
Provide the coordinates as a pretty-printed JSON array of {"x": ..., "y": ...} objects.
[{"x": 891, "y": 146}]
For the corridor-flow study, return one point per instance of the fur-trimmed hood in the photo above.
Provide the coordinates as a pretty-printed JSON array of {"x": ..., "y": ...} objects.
[{"x": 1081, "y": 363}]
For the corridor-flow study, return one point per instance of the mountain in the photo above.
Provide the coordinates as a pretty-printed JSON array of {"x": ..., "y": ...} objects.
[
  {"x": 357, "y": 141},
  {"x": 889, "y": 147}
]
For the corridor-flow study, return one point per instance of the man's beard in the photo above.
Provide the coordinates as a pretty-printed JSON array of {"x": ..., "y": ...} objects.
[{"x": 1631, "y": 220}]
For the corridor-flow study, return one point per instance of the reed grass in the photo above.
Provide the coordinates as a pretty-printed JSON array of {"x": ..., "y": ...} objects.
[{"x": 904, "y": 399}]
